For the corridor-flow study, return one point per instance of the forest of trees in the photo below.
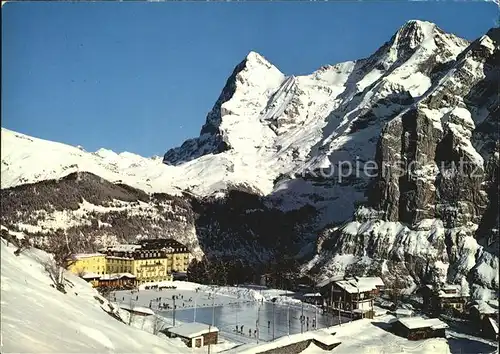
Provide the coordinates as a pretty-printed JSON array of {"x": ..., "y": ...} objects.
[{"x": 224, "y": 271}]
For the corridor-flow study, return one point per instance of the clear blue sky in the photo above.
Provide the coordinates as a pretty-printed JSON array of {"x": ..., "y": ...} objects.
[{"x": 141, "y": 77}]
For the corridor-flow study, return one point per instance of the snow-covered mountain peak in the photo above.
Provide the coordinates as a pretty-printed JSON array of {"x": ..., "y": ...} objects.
[
  {"x": 255, "y": 59},
  {"x": 413, "y": 33},
  {"x": 257, "y": 72}
]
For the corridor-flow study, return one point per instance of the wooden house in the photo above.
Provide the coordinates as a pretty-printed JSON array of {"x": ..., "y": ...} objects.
[
  {"x": 416, "y": 328},
  {"x": 350, "y": 296},
  {"x": 194, "y": 334},
  {"x": 447, "y": 298},
  {"x": 137, "y": 310},
  {"x": 451, "y": 298}
]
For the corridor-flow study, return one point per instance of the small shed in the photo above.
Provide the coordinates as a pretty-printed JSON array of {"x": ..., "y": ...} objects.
[
  {"x": 137, "y": 310},
  {"x": 195, "y": 334},
  {"x": 416, "y": 328}
]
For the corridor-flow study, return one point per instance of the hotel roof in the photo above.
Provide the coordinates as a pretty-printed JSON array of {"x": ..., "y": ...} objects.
[{"x": 193, "y": 329}]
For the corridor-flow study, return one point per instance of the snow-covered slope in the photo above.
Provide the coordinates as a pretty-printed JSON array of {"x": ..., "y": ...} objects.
[{"x": 37, "y": 318}]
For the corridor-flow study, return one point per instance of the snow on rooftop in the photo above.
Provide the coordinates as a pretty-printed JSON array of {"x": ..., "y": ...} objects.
[
  {"x": 351, "y": 286},
  {"x": 38, "y": 318},
  {"x": 124, "y": 248},
  {"x": 419, "y": 322},
  {"x": 370, "y": 281},
  {"x": 403, "y": 312},
  {"x": 87, "y": 255},
  {"x": 493, "y": 303},
  {"x": 116, "y": 257},
  {"x": 441, "y": 293},
  {"x": 193, "y": 329},
  {"x": 450, "y": 287},
  {"x": 90, "y": 275}
]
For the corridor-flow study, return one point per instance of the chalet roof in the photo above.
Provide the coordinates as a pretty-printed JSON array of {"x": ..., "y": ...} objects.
[
  {"x": 146, "y": 245},
  {"x": 116, "y": 276},
  {"x": 419, "y": 322},
  {"x": 361, "y": 310},
  {"x": 451, "y": 287},
  {"x": 403, "y": 312},
  {"x": 352, "y": 286},
  {"x": 370, "y": 281},
  {"x": 123, "y": 248},
  {"x": 484, "y": 308},
  {"x": 193, "y": 329},
  {"x": 329, "y": 280},
  {"x": 90, "y": 275},
  {"x": 493, "y": 303}
]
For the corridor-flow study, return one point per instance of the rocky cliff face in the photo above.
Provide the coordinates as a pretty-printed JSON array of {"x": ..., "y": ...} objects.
[{"x": 406, "y": 140}]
